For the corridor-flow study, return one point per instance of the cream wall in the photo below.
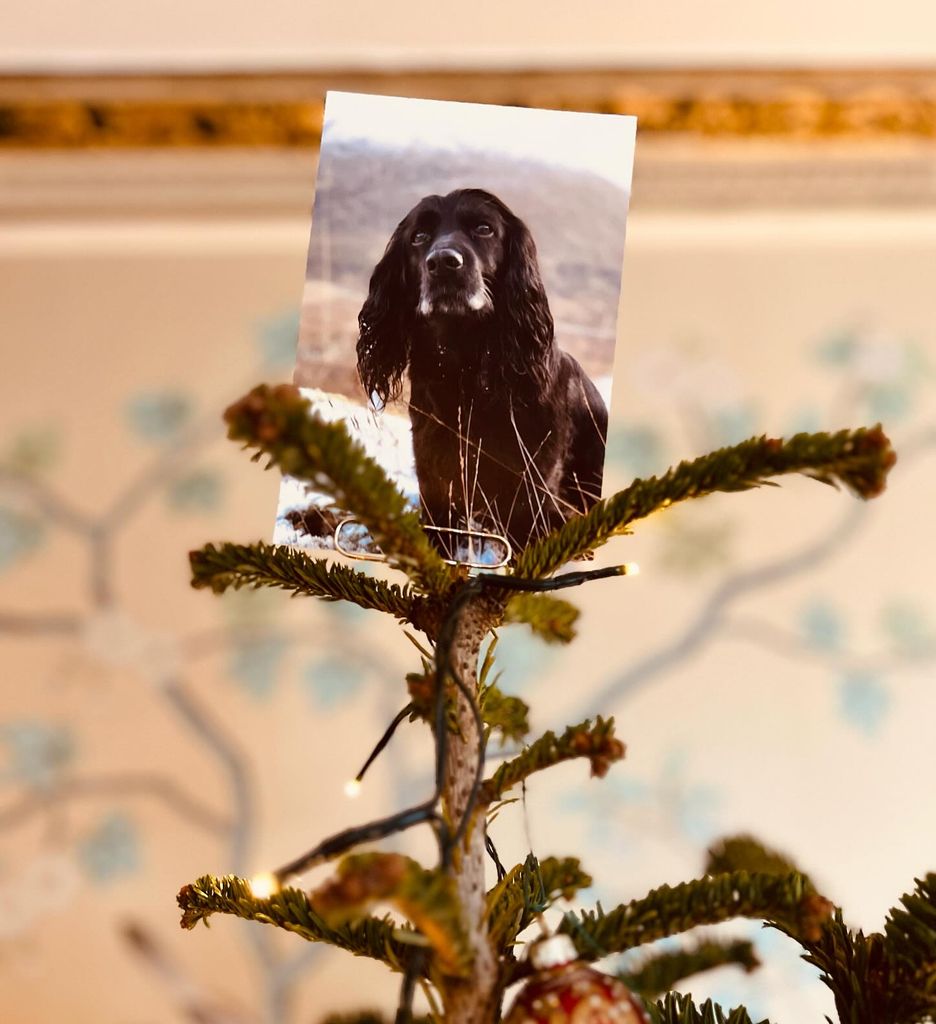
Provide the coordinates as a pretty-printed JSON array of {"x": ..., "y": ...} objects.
[
  {"x": 131, "y": 34},
  {"x": 804, "y": 711}
]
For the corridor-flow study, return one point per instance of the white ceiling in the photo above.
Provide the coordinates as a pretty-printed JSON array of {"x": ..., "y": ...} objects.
[{"x": 59, "y": 35}]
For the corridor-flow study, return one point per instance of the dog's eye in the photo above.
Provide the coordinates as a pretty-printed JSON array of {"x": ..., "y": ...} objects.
[
  {"x": 483, "y": 229},
  {"x": 420, "y": 238}
]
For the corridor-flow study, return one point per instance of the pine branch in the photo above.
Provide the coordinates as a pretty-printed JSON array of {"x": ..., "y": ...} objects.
[
  {"x": 745, "y": 853},
  {"x": 669, "y": 910},
  {"x": 278, "y": 422},
  {"x": 427, "y": 898},
  {"x": 883, "y": 979},
  {"x": 910, "y": 937},
  {"x": 595, "y": 741},
  {"x": 503, "y": 714},
  {"x": 225, "y": 566},
  {"x": 377, "y": 938},
  {"x": 856, "y": 969},
  {"x": 421, "y": 687},
  {"x": 858, "y": 459},
  {"x": 674, "y": 1008},
  {"x": 529, "y": 889},
  {"x": 550, "y": 618},
  {"x": 659, "y": 972}
]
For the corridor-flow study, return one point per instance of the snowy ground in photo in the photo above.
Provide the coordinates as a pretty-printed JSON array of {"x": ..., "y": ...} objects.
[{"x": 385, "y": 436}]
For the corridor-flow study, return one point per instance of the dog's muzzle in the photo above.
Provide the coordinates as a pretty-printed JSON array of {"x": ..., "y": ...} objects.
[
  {"x": 442, "y": 262},
  {"x": 450, "y": 284}
]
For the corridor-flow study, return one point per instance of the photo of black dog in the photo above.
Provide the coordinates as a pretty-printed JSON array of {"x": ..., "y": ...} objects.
[{"x": 508, "y": 431}]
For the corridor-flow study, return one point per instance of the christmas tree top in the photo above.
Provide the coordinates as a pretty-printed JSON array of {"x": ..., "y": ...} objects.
[{"x": 448, "y": 935}]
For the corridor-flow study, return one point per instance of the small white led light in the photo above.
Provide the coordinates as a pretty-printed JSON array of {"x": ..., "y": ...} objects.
[{"x": 264, "y": 885}]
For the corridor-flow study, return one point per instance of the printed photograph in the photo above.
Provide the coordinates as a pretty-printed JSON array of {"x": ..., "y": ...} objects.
[{"x": 459, "y": 314}]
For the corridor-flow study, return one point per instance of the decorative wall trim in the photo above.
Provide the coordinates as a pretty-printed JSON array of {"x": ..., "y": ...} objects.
[
  {"x": 284, "y": 111},
  {"x": 249, "y": 184}
]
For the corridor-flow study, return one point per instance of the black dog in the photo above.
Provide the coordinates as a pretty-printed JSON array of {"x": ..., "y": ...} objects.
[{"x": 508, "y": 431}]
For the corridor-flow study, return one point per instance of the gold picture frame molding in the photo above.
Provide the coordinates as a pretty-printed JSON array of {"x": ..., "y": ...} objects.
[{"x": 284, "y": 110}]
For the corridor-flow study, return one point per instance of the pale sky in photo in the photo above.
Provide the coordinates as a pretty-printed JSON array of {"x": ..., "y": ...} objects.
[{"x": 600, "y": 143}]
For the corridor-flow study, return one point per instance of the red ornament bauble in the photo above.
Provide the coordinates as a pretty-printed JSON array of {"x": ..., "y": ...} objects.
[{"x": 565, "y": 990}]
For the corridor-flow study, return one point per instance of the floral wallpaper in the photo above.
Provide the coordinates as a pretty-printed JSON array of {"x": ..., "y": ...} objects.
[{"x": 771, "y": 669}]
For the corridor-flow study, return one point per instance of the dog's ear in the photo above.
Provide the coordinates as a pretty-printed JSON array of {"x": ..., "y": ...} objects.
[
  {"x": 384, "y": 322},
  {"x": 523, "y": 307}
]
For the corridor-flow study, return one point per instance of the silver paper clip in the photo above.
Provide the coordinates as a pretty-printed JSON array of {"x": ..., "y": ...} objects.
[
  {"x": 368, "y": 556},
  {"x": 364, "y": 556},
  {"x": 476, "y": 533}
]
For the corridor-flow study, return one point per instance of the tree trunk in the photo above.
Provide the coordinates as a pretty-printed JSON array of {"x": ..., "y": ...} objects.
[{"x": 473, "y": 1000}]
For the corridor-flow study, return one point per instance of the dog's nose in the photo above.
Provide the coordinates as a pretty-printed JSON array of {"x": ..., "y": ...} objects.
[{"x": 444, "y": 260}]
